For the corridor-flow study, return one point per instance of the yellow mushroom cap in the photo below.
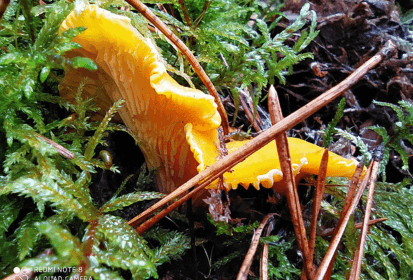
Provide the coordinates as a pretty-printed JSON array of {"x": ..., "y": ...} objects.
[
  {"x": 157, "y": 108},
  {"x": 176, "y": 126},
  {"x": 263, "y": 167}
]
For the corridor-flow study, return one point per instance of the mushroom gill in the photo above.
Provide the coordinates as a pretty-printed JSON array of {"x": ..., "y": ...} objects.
[
  {"x": 157, "y": 108},
  {"x": 176, "y": 126}
]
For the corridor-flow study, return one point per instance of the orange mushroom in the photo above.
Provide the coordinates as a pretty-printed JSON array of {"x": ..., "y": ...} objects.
[{"x": 176, "y": 126}]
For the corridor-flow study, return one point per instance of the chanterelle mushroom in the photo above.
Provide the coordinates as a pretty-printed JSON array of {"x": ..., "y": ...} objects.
[{"x": 176, "y": 126}]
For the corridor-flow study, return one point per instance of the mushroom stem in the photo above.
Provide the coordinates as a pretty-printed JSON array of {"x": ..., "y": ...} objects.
[{"x": 138, "y": 5}]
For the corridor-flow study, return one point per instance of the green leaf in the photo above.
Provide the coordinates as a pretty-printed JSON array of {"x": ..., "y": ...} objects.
[
  {"x": 10, "y": 58},
  {"x": 173, "y": 245},
  {"x": 331, "y": 128},
  {"x": 82, "y": 62},
  {"x": 66, "y": 245},
  {"x": 51, "y": 262},
  {"x": 29, "y": 87},
  {"x": 68, "y": 35},
  {"x": 129, "y": 199},
  {"x": 94, "y": 141},
  {"x": 43, "y": 192},
  {"x": 123, "y": 241},
  {"x": 27, "y": 234},
  {"x": 9, "y": 211},
  {"x": 103, "y": 273},
  {"x": 44, "y": 73}
]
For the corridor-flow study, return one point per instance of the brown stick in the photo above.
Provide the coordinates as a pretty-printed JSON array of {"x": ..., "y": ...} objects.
[
  {"x": 358, "y": 258},
  {"x": 150, "y": 222},
  {"x": 347, "y": 202},
  {"x": 138, "y": 5},
  {"x": 337, "y": 237},
  {"x": 246, "y": 264},
  {"x": 59, "y": 148},
  {"x": 3, "y": 6},
  {"x": 289, "y": 180},
  {"x": 224, "y": 164},
  {"x": 264, "y": 254},
  {"x": 318, "y": 196},
  {"x": 371, "y": 223},
  {"x": 357, "y": 226},
  {"x": 185, "y": 12},
  {"x": 247, "y": 109}
]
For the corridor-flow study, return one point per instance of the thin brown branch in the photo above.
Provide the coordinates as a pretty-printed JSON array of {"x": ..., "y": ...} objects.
[
  {"x": 351, "y": 191},
  {"x": 199, "y": 19},
  {"x": 347, "y": 202},
  {"x": 371, "y": 223},
  {"x": 226, "y": 163},
  {"x": 246, "y": 264},
  {"x": 150, "y": 222},
  {"x": 59, "y": 148},
  {"x": 358, "y": 226},
  {"x": 185, "y": 13},
  {"x": 172, "y": 10},
  {"x": 274, "y": 109},
  {"x": 3, "y": 6},
  {"x": 264, "y": 254},
  {"x": 162, "y": 8},
  {"x": 138, "y": 5},
  {"x": 249, "y": 111},
  {"x": 318, "y": 196},
  {"x": 358, "y": 258},
  {"x": 338, "y": 235}
]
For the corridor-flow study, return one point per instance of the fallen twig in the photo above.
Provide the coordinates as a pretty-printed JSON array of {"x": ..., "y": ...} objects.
[
  {"x": 59, "y": 148},
  {"x": 318, "y": 196},
  {"x": 289, "y": 180},
  {"x": 264, "y": 253},
  {"x": 340, "y": 231},
  {"x": 358, "y": 258},
  {"x": 357, "y": 226},
  {"x": 3, "y": 6},
  {"x": 249, "y": 110},
  {"x": 224, "y": 164},
  {"x": 347, "y": 202},
  {"x": 246, "y": 264}
]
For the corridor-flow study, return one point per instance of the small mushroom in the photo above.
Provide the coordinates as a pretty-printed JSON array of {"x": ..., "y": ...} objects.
[{"x": 176, "y": 126}]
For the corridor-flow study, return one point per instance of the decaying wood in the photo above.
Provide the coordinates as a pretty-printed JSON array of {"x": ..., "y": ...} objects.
[
  {"x": 138, "y": 5},
  {"x": 246, "y": 264},
  {"x": 283, "y": 149},
  {"x": 358, "y": 258},
  {"x": 224, "y": 164}
]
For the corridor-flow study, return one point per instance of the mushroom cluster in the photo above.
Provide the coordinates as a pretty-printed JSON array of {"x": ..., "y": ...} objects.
[{"x": 176, "y": 126}]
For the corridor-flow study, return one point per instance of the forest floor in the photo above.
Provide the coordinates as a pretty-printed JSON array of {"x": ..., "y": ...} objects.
[{"x": 349, "y": 35}]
